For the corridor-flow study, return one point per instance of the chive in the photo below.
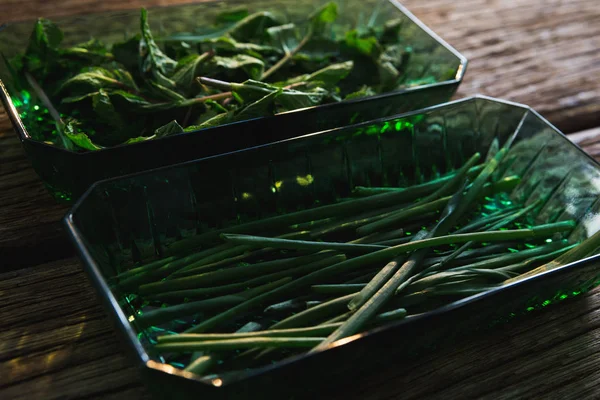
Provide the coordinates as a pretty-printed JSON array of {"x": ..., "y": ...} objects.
[
  {"x": 235, "y": 273},
  {"x": 161, "y": 315},
  {"x": 378, "y": 256},
  {"x": 376, "y": 238},
  {"x": 452, "y": 184},
  {"x": 370, "y": 307},
  {"x": 415, "y": 191},
  {"x": 207, "y": 264},
  {"x": 473, "y": 255},
  {"x": 235, "y": 344},
  {"x": 510, "y": 258},
  {"x": 315, "y": 213},
  {"x": 145, "y": 268},
  {"x": 487, "y": 220},
  {"x": 544, "y": 230},
  {"x": 325, "y": 310},
  {"x": 203, "y": 363},
  {"x": 274, "y": 294},
  {"x": 354, "y": 222},
  {"x": 527, "y": 264},
  {"x": 157, "y": 274},
  {"x": 500, "y": 224},
  {"x": 339, "y": 318},
  {"x": 380, "y": 279},
  {"x": 200, "y": 365},
  {"x": 402, "y": 215},
  {"x": 298, "y": 271},
  {"x": 338, "y": 289},
  {"x": 445, "y": 276},
  {"x": 456, "y": 207},
  {"x": 206, "y": 268},
  {"x": 259, "y": 241},
  {"x": 584, "y": 249},
  {"x": 318, "y": 330}
]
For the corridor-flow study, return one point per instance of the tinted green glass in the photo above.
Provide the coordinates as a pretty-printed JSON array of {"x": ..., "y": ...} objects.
[
  {"x": 432, "y": 76},
  {"x": 122, "y": 223}
]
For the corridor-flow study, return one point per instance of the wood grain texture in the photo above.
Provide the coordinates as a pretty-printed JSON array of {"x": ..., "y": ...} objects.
[
  {"x": 30, "y": 230},
  {"x": 55, "y": 340},
  {"x": 56, "y": 343}
]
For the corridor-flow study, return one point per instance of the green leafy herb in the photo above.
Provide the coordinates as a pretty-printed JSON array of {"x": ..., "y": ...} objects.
[{"x": 251, "y": 64}]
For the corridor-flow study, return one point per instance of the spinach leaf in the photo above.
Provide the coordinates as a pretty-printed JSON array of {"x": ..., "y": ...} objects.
[
  {"x": 365, "y": 45},
  {"x": 164, "y": 93},
  {"x": 228, "y": 45},
  {"x": 365, "y": 91},
  {"x": 391, "y": 64},
  {"x": 232, "y": 15},
  {"x": 171, "y": 128},
  {"x": 153, "y": 62},
  {"x": 105, "y": 110},
  {"x": 187, "y": 70},
  {"x": 327, "y": 77},
  {"x": 99, "y": 78},
  {"x": 127, "y": 52},
  {"x": 231, "y": 66},
  {"x": 286, "y": 37},
  {"x": 290, "y": 99},
  {"x": 92, "y": 51},
  {"x": 253, "y": 26},
  {"x": 71, "y": 131},
  {"x": 323, "y": 17},
  {"x": 42, "y": 51}
]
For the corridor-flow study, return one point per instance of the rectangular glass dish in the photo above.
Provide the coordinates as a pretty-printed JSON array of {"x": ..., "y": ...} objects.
[
  {"x": 122, "y": 223},
  {"x": 432, "y": 74}
]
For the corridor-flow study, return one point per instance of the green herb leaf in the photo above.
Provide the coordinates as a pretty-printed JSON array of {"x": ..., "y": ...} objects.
[
  {"x": 259, "y": 108},
  {"x": 105, "y": 110},
  {"x": 293, "y": 99},
  {"x": 163, "y": 92},
  {"x": 187, "y": 70},
  {"x": 93, "y": 51},
  {"x": 365, "y": 91},
  {"x": 152, "y": 60},
  {"x": 127, "y": 52},
  {"x": 327, "y": 77},
  {"x": 391, "y": 64},
  {"x": 171, "y": 128},
  {"x": 232, "y": 15},
  {"x": 251, "y": 66},
  {"x": 391, "y": 31},
  {"x": 285, "y": 37},
  {"x": 227, "y": 44},
  {"x": 368, "y": 46},
  {"x": 322, "y": 17},
  {"x": 42, "y": 51},
  {"x": 80, "y": 139},
  {"x": 253, "y": 26},
  {"x": 99, "y": 78}
]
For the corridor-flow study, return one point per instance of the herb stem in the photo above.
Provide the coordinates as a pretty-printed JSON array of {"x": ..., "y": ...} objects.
[{"x": 288, "y": 56}]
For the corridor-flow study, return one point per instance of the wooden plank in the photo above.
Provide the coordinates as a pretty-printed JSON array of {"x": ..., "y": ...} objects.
[
  {"x": 73, "y": 352},
  {"x": 55, "y": 340}
]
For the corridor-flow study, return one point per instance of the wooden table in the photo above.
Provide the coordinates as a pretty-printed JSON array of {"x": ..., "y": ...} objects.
[{"x": 56, "y": 342}]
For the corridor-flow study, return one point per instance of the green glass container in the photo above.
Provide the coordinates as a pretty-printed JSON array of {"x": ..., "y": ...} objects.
[
  {"x": 433, "y": 74},
  {"x": 144, "y": 217}
]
